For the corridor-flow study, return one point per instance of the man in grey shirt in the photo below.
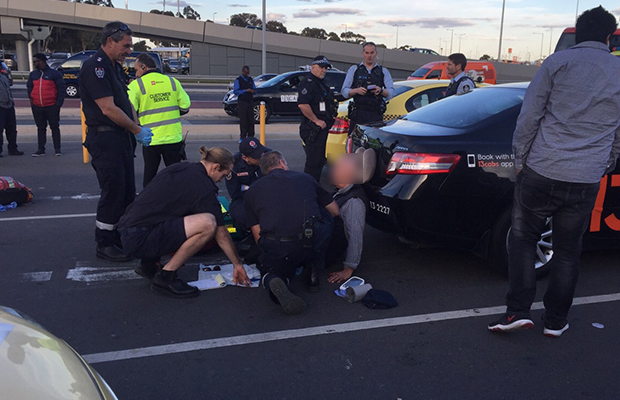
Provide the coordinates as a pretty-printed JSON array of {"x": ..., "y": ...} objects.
[
  {"x": 8, "y": 121},
  {"x": 567, "y": 138},
  {"x": 348, "y": 232}
]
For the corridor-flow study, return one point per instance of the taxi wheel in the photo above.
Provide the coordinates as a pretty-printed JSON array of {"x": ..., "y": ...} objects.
[
  {"x": 71, "y": 90},
  {"x": 257, "y": 113},
  {"x": 498, "y": 246}
]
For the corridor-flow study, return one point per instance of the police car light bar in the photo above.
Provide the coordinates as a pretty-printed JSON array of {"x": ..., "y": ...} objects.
[{"x": 421, "y": 163}]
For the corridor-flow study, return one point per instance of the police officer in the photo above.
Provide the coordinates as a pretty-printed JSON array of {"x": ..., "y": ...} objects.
[
  {"x": 369, "y": 85},
  {"x": 290, "y": 215},
  {"x": 244, "y": 88},
  {"x": 317, "y": 105},
  {"x": 459, "y": 82},
  {"x": 178, "y": 213},
  {"x": 245, "y": 172},
  {"x": 111, "y": 134},
  {"x": 160, "y": 101}
]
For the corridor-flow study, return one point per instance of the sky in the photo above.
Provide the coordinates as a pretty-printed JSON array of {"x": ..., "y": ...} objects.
[{"x": 427, "y": 24}]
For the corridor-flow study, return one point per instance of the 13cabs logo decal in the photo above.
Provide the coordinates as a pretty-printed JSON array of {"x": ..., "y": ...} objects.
[{"x": 611, "y": 221}]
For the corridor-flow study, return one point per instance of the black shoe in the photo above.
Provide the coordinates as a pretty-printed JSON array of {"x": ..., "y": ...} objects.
[
  {"x": 1, "y": 155},
  {"x": 511, "y": 322},
  {"x": 16, "y": 153},
  {"x": 555, "y": 331},
  {"x": 58, "y": 153},
  {"x": 112, "y": 253},
  {"x": 167, "y": 282},
  {"x": 38, "y": 153},
  {"x": 148, "y": 269},
  {"x": 312, "y": 279},
  {"x": 290, "y": 303}
]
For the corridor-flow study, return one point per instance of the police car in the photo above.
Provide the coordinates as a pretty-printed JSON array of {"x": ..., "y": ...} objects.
[
  {"x": 280, "y": 94},
  {"x": 70, "y": 69},
  {"x": 445, "y": 174}
]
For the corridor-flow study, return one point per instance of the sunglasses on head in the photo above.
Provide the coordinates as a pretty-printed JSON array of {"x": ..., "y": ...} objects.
[{"x": 121, "y": 28}]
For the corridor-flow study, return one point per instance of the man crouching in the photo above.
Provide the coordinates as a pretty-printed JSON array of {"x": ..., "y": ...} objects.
[{"x": 179, "y": 212}]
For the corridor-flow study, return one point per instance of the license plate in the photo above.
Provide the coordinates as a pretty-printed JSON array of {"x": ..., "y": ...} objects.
[
  {"x": 288, "y": 98},
  {"x": 380, "y": 208}
]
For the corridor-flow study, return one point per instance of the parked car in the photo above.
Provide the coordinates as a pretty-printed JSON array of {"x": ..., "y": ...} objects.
[
  {"x": 71, "y": 68},
  {"x": 567, "y": 39},
  {"x": 479, "y": 71},
  {"x": 423, "y": 51},
  {"x": 55, "y": 59},
  {"x": 280, "y": 94},
  {"x": 258, "y": 80},
  {"x": 34, "y": 364},
  {"x": 409, "y": 96},
  {"x": 6, "y": 71},
  {"x": 445, "y": 174},
  {"x": 172, "y": 66},
  {"x": 10, "y": 59}
]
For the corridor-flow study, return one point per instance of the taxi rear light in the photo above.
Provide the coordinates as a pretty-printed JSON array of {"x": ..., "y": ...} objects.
[
  {"x": 340, "y": 127},
  {"x": 421, "y": 163}
]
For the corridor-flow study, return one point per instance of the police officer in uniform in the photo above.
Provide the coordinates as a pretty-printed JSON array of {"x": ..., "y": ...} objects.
[
  {"x": 369, "y": 85},
  {"x": 245, "y": 172},
  {"x": 244, "y": 88},
  {"x": 317, "y": 105},
  {"x": 290, "y": 215},
  {"x": 159, "y": 101},
  {"x": 111, "y": 134},
  {"x": 459, "y": 82}
]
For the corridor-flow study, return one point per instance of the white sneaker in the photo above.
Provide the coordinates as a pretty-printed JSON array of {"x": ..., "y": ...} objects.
[{"x": 555, "y": 333}]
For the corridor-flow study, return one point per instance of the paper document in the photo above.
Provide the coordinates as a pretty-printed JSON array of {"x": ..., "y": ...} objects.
[{"x": 211, "y": 277}]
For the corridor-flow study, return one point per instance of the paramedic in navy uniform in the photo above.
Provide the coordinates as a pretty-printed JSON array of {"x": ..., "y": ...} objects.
[{"x": 111, "y": 134}]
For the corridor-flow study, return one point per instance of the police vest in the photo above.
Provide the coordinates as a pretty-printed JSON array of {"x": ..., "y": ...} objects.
[
  {"x": 454, "y": 86},
  {"x": 363, "y": 78},
  {"x": 158, "y": 100},
  {"x": 243, "y": 85}
]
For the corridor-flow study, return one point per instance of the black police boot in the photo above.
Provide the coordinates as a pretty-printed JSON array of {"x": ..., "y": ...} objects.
[
  {"x": 148, "y": 269},
  {"x": 113, "y": 254},
  {"x": 312, "y": 278},
  {"x": 290, "y": 303},
  {"x": 168, "y": 283}
]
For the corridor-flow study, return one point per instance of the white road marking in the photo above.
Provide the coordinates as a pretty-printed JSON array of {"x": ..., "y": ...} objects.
[
  {"x": 42, "y": 276},
  {"x": 34, "y": 218},
  {"x": 82, "y": 196},
  {"x": 317, "y": 331},
  {"x": 85, "y": 273}
]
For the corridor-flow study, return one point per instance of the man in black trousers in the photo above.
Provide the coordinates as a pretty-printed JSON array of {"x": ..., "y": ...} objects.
[{"x": 244, "y": 88}]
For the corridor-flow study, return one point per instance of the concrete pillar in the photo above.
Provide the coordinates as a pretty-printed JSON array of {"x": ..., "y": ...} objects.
[{"x": 21, "y": 51}]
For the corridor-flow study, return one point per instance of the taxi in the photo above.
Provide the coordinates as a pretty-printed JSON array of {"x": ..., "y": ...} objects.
[{"x": 409, "y": 95}]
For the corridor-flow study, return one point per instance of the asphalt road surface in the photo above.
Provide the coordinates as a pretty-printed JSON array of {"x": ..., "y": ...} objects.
[{"x": 233, "y": 343}]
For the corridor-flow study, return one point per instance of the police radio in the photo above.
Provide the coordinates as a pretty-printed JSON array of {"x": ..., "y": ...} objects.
[{"x": 308, "y": 233}]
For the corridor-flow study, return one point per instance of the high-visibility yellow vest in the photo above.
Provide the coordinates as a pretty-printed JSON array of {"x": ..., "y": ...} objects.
[{"x": 158, "y": 100}]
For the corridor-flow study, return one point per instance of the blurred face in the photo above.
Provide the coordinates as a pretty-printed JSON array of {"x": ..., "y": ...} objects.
[
  {"x": 118, "y": 51},
  {"x": 38, "y": 64},
  {"x": 453, "y": 69},
  {"x": 370, "y": 54},
  {"x": 347, "y": 170},
  {"x": 245, "y": 72},
  {"x": 251, "y": 161},
  {"x": 140, "y": 69},
  {"x": 319, "y": 71}
]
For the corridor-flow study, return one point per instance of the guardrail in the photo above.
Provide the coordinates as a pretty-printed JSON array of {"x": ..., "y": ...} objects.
[{"x": 23, "y": 76}]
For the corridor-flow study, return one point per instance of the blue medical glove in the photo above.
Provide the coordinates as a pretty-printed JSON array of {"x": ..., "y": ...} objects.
[{"x": 145, "y": 136}]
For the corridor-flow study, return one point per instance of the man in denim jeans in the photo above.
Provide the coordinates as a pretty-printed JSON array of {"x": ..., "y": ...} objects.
[{"x": 567, "y": 138}]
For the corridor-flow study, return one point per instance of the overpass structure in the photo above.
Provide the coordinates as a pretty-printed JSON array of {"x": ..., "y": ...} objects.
[{"x": 215, "y": 49}]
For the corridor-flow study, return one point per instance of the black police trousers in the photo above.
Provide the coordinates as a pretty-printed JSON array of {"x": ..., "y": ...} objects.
[
  {"x": 112, "y": 155},
  {"x": 315, "y": 151},
  {"x": 8, "y": 123},
  {"x": 365, "y": 117},
  {"x": 281, "y": 258},
  {"x": 245, "y": 110},
  {"x": 171, "y": 153}
]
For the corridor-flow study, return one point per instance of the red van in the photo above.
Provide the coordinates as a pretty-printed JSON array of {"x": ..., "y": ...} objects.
[
  {"x": 567, "y": 39},
  {"x": 479, "y": 71}
]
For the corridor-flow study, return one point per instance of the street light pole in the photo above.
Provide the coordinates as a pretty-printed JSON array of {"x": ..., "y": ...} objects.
[
  {"x": 214, "y": 17},
  {"x": 501, "y": 33},
  {"x": 542, "y": 38},
  {"x": 396, "y": 25},
  {"x": 346, "y": 29},
  {"x": 577, "y": 13},
  {"x": 550, "y": 38},
  {"x": 451, "y": 39},
  {"x": 264, "y": 48},
  {"x": 460, "y": 35}
]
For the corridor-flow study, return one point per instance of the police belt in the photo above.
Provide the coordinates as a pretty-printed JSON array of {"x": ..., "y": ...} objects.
[
  {"x": 279, "y": 238},
  {"x": 105, "y": 128}
]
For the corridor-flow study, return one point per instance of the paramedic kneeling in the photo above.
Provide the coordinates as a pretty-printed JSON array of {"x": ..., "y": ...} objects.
[{"x": 179, "y": 212}]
